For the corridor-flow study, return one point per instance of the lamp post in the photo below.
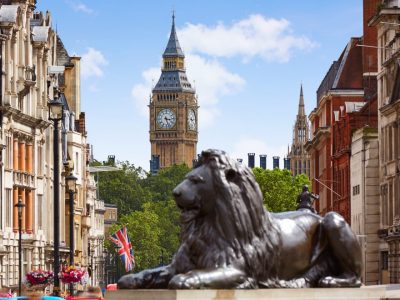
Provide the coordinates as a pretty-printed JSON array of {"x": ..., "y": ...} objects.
[
  {"x": 20, "y": 206},
  {"x": 56, "y": 114},
  {"x": 71, "y": 185}
]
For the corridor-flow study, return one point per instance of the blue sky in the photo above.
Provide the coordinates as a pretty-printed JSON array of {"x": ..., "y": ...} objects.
[{"x": 246, "y": 59}]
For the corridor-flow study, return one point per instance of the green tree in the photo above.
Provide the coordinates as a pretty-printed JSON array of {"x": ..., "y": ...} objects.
[
  {"x": 168, "y": 224},
  {"x": 144, "y": 233},
  {"x": 162, "y": 184},
  {"x": 279, "y": 188},
  {"x": 124, "y": 188}
]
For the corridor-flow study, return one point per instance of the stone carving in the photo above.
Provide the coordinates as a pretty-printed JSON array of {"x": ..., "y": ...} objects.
[{"x": 229, "y": 240}]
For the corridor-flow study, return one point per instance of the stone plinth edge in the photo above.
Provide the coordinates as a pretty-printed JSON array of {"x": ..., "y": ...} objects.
[{"x": 378, "y": 292}]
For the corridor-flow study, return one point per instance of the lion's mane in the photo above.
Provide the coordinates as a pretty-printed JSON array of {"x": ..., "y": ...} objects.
[{"x": 237, "y": 231}]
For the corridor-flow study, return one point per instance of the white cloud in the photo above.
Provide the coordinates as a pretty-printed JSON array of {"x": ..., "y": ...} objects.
[
  {"x": 246, "y": 145},
  {"x": 80, "y": 7},
  {"x": 92, "y": 63},
  {"x": 141, "y": 92},
  {"x": 270, "y": 39},
  {"x": 211, "y": 79}
]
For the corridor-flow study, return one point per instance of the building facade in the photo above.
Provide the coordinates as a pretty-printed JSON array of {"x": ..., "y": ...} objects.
[
  {"x": 350, "y": 117},
  {"x": 95, "y": 210},
  {"x": 343, "y": 82},
  {"x": 365, "y": 210},
  {"x": 348, "y": 85},
  {"x": 173, "y": 111},
  {"x": 112, "y": 272},
  {"x": 36, "y": 68},
  {"x": 299, "y": 159},
  {"x": 386, "y": 22}
]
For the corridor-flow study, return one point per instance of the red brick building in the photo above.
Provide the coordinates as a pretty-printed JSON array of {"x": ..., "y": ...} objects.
[
  {"x": 348, "y": 85},
  {"x": 350, "y": 117}
]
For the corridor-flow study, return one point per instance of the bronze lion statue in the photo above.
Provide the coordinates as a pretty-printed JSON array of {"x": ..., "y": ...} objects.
[{"x": 229, "y": 240}]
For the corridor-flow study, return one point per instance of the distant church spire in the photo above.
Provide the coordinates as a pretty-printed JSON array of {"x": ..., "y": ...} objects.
[
  {"x": 173, "y": 47},
  {"x": 302, "y": 111},
  {"x": 299, "y": 158}
]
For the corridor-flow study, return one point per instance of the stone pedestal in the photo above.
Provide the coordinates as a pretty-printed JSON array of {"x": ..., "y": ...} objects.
[{"x": 370, "y": 292}]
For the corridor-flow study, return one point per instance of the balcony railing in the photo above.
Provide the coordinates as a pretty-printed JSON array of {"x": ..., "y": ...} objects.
[{"x": 24, "y": 179}]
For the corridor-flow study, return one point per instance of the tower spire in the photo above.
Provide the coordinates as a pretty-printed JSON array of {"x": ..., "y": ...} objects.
[
  {"x": 173, "y": 48},
  {"x": 301, "y": 111}
]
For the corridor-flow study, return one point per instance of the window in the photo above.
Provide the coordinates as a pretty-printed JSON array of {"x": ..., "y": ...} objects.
[
  {"x": 8, "y": 207},
  {"x": 40, "y": 159},
  {"x": 384, "y": 260},
  {"x": 40, "y": 209},
  {"x": 76, "y": 162},
  {"x": 384, "y": 205},
  {"x": 390, "y": 204},
  {"x": 8, "y": 158},
  {"x": 356, "y": 190},
  {"x": 390, "y": 143}
]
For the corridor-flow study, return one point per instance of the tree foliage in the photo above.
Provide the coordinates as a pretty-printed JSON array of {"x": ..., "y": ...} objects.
[
  {"x": 162, "y": 184},
  {"x": 123, "y": 188},
  {"x": 144, "y": 233},
  {"x": 279, "y": 188}
]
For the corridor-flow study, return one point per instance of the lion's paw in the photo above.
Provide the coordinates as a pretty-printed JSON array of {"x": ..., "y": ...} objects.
[
  {"x": 182, "y": 281},
  {"x": 330, "y": 281},
  {"x": 130, "y": 281}
]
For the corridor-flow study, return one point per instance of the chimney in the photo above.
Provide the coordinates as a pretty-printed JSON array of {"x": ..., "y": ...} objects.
[{"x": 251, "y": 160}]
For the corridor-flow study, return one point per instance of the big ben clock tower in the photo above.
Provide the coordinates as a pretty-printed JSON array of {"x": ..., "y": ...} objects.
[{"x": 173, "y": 111}]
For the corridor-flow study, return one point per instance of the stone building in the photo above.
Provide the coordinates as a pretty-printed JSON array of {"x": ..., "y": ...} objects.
[
  {"x": 95, "y": 210},
  {"x": 386, "y": 21},
  {"x": 173, "y": 111},
  {"x": 365, "y": 214},
  {"x": 112, "y": 272},
  {"x": 26, "y": 135},
  {"x": 36, "y": 68},
  {"x": 298, "y": 157}
]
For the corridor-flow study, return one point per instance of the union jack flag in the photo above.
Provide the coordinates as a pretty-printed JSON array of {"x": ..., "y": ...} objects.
[{"x": 121, "y": 239}]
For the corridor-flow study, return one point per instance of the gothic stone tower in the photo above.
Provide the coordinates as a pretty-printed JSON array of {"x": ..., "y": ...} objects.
[
  {"x": 173, "y": 110},
  {"x": 299, "y": 158}
]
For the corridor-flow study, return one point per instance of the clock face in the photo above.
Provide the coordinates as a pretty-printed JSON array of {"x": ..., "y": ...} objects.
[
  {"x": 166, "y": 118},
  {"x": 191, "y": 119}
]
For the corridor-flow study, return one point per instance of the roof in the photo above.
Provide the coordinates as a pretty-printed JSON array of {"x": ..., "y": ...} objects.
[
  {"x": 63, "y": 59},
  {"x": 350, "y": 74},
  {"x": 173, "y": 47},
  {"x": 346, "y": 73},
  {"x": 173, "y": 81},
  {"x": 8, "y": 13}
]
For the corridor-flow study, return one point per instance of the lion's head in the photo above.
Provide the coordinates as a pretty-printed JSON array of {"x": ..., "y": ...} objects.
[{"x": 222, "y": 202}]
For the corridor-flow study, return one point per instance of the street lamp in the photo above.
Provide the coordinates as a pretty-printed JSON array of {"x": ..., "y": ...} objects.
[
  {"x": 71, "y": 185},
  {"x": 56, "y": 114},
  {"x": 19, "y": 206}
]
